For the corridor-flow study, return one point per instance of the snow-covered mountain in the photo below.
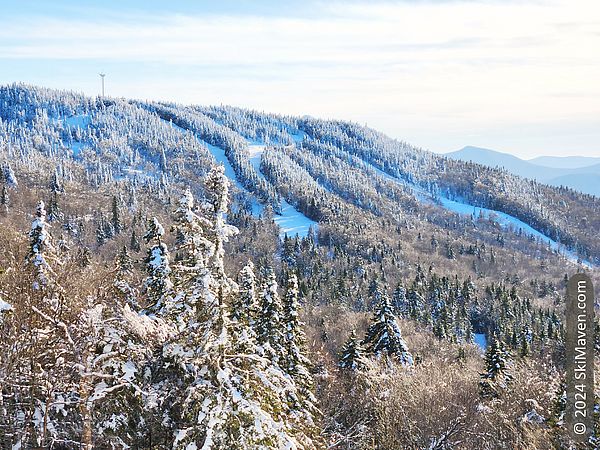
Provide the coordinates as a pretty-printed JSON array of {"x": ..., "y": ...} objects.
[
  {"x": 157, "y": 262},
  {"x": 308, "y": 171}
]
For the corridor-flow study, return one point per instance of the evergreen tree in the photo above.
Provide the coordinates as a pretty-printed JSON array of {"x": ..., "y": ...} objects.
[
  {"x": 384, "y": 337},
  {"x": 163, "y": 161},
  {"x": 10, "y": 178},
  {"x": 115, "y": 221},
  {"x": 497, "y": 364},
  {"x": 294, "y": 361},
  {"x": 123, "y": 272},
  {"x": 193, "y": 247},
  {"x": 4, "y": 199},
  {"x": 158, "y": 285},
  {"x": 41, "y": 249},
  {"x": 134, "y": 243},
  {"x": 53, "y": 207},
  {"x": 216, "y": 187},
  {"x": 245, "y": 304},
  {"x": 269, "y": 329},
  {"x": 400, "y": 301},
  {"x": 353, "y": 354},
  {"x": 224, "y": 391},
  {"x": 55, "y": 184}
]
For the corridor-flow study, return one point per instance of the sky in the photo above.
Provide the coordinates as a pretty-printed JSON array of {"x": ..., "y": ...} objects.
[{"x": 520, "y": 77}]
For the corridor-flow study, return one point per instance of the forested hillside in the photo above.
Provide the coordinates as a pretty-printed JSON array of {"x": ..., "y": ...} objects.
[{"x": 212, "y": 277}]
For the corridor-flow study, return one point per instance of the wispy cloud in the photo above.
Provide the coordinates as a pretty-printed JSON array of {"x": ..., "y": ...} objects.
[{"x": 453, "y": 68}]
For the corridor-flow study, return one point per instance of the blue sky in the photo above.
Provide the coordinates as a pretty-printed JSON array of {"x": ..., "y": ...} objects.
[{"x": 515, "y": 76}]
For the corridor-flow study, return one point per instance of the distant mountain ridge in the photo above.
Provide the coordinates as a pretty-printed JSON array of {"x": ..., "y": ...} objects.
[
  {"x": 576, "y": 172},
  {"x": 565, "y": 162}
]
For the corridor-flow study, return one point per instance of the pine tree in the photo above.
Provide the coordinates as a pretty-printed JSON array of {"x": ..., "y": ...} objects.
[
  {"x": 384, "y": 337},
  {"x": 294, "y": 361},
  {"x": 158, "y": 285},
  {"x": 4, "y": 199},
  {"x": 192, "y": 246},
  {"x": 123, "y": 272},
  {"x": 245, "y": 304},
  {"x": 134, "y": 243},
  {"x": 53, "y": 207},
  {"x": 216, "y": 187},
  {"x": 222, "y": 390},
  {"x": 400, "y": 301},
  {"x": 9, "y": 176},
  {"x": 55, "y": 184},
  {"x": 497, "y": 375},
  {"x": 115, "y": 221},
  {"x": 353, "y": 354},
  {"x": 41, "y": 249},
  {"x": 269, "y": 329}
]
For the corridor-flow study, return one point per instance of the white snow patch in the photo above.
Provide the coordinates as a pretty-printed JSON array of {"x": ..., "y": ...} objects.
[
  {"x": 79, "y": 121},
  {"x": 505, "y": 220},
  {"x": 508, "y": 222},
  {"x": 291, "y": 221},
  {"x": 5, "y": 306}
]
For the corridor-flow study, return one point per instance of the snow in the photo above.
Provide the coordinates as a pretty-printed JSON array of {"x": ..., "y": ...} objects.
[
  {"x": 5, "y": 306},
  {"x": 219, "y": 155},
  {"x": 505, "y": 220},
  {"x": 79, "y": 121},
  {"x": 291, "y": 221},
  {"x": 480, "y": 340},
  {"x": 508, "y": 222},
  {"x": 129, "y": 371}
]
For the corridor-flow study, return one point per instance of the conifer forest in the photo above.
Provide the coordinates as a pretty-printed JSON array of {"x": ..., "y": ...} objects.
[{"x": 192, "y": 277}]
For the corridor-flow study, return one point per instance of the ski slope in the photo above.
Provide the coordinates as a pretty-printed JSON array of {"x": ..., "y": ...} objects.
[
  {"x": 291, "y": 221},
  {"x": 510, "y": 223},
  {"x": 507, "y": 221}
]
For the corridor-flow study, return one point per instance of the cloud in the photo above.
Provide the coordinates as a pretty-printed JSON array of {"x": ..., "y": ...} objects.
[{"x": 449, "y": 66}]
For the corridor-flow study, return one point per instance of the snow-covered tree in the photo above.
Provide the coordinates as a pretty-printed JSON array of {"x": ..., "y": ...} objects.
[
  {"x": 55, "y": 183},
  {"x": 384, "y": 338},
  {"x": 269, "y": 328},
  {"x": 158, "y": 284},
  {"x": 4, "y": 199},
  {"x": 115, "y": 220},
  {"x": 497, "y": 375},
  {"x": 108, "y": 359},
  {"x": 352, "y": 356},
  {"x": 220, "y": 390},
  {"x": 245, "y": 303},
  {"x": 192, "y": 246},
  {"x": 41, "y": 250},
  {"x": 216, "y": 187},
  {"x": 9, "y": 176},
  {"x": 123, "y": 271},
  {"x": 294, "y": 361}
]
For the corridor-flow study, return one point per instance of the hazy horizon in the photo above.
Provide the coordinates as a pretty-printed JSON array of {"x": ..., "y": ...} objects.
[{"x": 517, "y": 77}]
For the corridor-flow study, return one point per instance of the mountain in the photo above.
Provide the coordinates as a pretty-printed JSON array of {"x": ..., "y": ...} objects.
[
  {"x": 583, "y": 182},
  {"x": 580, "y": 173},
  {"x": 565, "y": 162},
  {"x": 188, "y": 276}
]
